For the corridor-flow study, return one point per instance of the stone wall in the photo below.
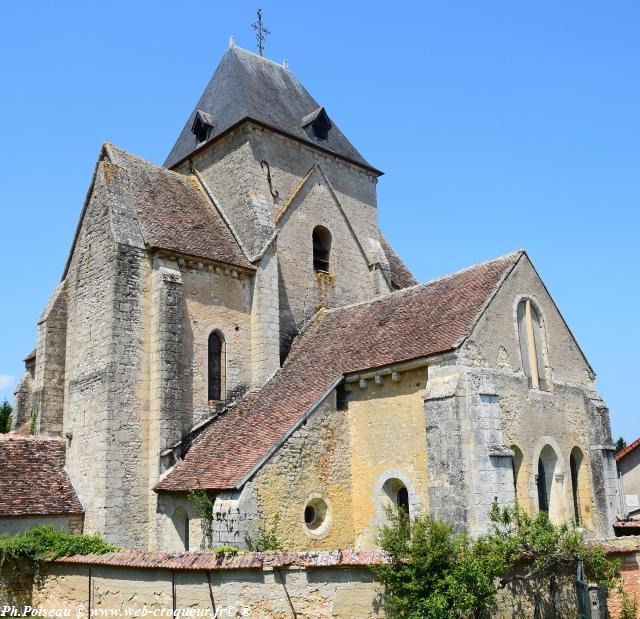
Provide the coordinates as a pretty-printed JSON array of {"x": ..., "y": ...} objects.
[
  {"x": 89, "y": 352},
  {"x": 307, "y": 188},
  {"x": 388, "y": 447},
  {"x": 628, "y": 552},
  {"x": 49, "y": 384},
  {"x": 73, "y": 523},
  {"x": 213, "y": 299},
  {"x": 567, "y": 417},
  {"x": 314, "y": 462},
  {"x": 338, "y": 584}
]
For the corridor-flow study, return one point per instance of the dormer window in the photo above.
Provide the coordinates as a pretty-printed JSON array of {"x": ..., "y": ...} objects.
[
  {"x": 317, "y": 124},
  {"x": 202, "y": 126}
]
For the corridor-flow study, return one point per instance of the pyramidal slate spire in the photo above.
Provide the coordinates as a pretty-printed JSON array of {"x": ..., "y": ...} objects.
[{"x": 247, "y": 86}]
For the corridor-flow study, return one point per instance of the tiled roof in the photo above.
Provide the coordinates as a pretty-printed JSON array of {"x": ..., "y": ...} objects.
[
  {"x": 411, "y": 323},
  {"x": 627, "y": 450},
  {"x": 245, "y": 86},
  {"x": 173, "y": 211},
  {"x": 401, "y": 277},
  {"x": 31, "y": 356},
  {"x": 627, "y": 524},
  {"x": 32, "y": 478},
  {"x": 245, "y": 560}
]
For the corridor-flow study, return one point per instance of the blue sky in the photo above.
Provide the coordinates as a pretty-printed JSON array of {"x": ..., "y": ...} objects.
[{"x": 499, "y": 125}]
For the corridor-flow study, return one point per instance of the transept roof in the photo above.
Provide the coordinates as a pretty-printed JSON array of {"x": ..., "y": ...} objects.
[{"x": 408, "y": 324}]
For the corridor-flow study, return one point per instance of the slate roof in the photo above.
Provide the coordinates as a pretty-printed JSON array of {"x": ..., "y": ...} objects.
[
  {"x": 33, "y": 481},
  {"x": 173, "y": 211},
  {"x": 627, "y": 450},
  {"x": 415, "y": 322},
  {"x": 245, "y": 86}
]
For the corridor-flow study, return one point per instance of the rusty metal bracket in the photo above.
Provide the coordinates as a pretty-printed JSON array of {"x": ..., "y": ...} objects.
[{"x": 264, "y": 163}]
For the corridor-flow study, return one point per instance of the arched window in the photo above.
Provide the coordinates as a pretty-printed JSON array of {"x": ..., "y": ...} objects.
[
  {"x": 580, "y": 488},
  {"x": 402, "y": 499},
  {"x": 321, "y": 239},
  {"x": 215, "y": 366},
  {"x": 397, "y": 493},
  {"x": 548, "y": 483},
  {"x": 531, "y": 342}
]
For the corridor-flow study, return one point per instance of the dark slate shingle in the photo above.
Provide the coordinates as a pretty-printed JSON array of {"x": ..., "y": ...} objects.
[{"x": 246, "y": 85}]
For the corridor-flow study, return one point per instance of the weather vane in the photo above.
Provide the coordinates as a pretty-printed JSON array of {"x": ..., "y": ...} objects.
[{"x": 261, "y": 32}]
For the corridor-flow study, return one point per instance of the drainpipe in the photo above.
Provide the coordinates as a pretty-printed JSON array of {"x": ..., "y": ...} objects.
[
  {"x": 213, "y": 602},
  {"x": 90, "y": 592},
  {"x": 173, "y": 592}
]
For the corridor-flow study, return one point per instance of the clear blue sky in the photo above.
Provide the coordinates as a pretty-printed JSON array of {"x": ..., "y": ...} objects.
[{"x": 499, "y": 125}]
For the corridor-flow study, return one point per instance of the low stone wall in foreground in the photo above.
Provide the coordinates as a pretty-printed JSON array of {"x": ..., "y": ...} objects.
[{"x": 305, "y": 585}]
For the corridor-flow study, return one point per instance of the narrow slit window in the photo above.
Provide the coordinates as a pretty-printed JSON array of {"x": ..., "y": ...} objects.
[
  {"x": 215, "y": 363},
  {"x": 321, "y": 239},
  {"x": 530, "y": 336},
  {"x": 541, "y": 483}
]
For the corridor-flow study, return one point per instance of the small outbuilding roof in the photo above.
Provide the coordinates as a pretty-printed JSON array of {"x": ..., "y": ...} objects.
[
  {"x": 408, "y": 324},
  {"x": 627, "y": 450},
  {"x": 33, "y": 481}
]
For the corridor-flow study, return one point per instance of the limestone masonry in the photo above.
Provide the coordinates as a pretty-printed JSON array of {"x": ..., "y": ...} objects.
[{"x": 234, "y": 321}]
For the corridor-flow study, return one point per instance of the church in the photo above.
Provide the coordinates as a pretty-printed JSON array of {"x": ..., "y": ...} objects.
[{"x": 234, "y": 321}]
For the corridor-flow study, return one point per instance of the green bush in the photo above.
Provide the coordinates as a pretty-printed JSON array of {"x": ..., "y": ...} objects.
[
  {"x": 438, "y": 573},
  {"x": 43, "y": 543},
  {"x": 629, "y": 606},
  {"x": 225, "y": 549}
]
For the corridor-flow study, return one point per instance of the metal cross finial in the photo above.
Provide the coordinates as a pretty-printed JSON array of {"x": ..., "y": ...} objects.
[{"x": 261, "y": 32}]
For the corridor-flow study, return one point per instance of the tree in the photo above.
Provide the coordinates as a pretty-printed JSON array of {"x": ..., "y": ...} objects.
[
  {"x": 620, "y": 444},
  {"x": 5, "y": 416},
  {"x": 438, "y": 573}
]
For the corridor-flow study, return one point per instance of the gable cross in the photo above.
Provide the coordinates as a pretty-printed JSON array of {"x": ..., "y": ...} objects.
[{"x": 261, "y": 32}]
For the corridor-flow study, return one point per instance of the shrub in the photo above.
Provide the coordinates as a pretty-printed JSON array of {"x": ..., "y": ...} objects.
[
  {"x": 438, "y": 573},
  {"x": 43, "y": 543},
  {"x": 629, "y": 606}
]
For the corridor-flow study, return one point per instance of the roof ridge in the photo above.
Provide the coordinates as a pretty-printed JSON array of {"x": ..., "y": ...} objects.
[
  {"x": 263, "y": 58},
  {"x": 110, "y": 146},
  {"x": 397, "y": 293}
]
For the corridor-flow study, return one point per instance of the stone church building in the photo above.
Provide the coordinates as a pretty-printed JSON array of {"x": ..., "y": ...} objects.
[{"x": 235, "y": 321}]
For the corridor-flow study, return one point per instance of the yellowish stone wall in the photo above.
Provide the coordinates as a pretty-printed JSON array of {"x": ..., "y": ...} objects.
[
  {"x": 344, "y": 458},
  {"x": 388, "y": 440},
  {"x": 314, "y": 461}
]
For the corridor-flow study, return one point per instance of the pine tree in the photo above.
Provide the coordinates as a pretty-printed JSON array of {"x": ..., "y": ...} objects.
[
  {"x": 620, "y": 444},
  {"x": 5, "y": 416}
]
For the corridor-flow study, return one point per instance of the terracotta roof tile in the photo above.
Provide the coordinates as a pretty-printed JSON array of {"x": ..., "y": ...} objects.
[
  {"x": 32, "y": 478},
  {"x": 408, "y": 324},
  {"x": 627, "y": 450},
  {"x": 244, "y": 560},
  {"x": 173, "y": 212}
]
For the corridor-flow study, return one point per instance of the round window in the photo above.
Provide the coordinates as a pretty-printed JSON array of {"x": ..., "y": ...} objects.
[{"x": 315, "y": 513}]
